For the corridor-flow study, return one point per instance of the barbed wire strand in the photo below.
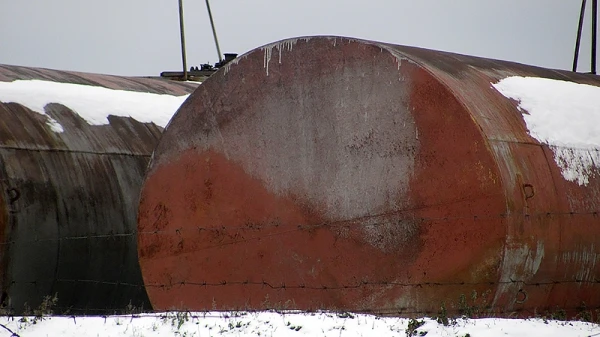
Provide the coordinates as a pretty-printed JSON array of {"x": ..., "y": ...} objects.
[
  {"x": 300, "y": 227},
  {"x": 358, "y": 284}
]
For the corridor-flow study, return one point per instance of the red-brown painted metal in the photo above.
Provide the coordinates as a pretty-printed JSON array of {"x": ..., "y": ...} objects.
[
  {"x": 69, "y": 200},
  {"x": 334, "y": 173}
]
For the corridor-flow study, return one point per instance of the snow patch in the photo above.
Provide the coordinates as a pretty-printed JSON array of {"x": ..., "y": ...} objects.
[
  {"x": 93, "y": 104},
  {"x": 564, "y": 115}
]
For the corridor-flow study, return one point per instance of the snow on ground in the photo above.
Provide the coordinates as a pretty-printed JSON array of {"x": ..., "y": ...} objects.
[
  {"x": 288, "y": 324},
  {"x": 564, "y": 115},
  {"x": 93, "y": 104}
]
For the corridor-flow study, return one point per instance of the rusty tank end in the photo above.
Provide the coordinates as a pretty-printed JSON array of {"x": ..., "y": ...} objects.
[
  {"x": 334, "y": 173},
  {"x": 69, "y": 200}
]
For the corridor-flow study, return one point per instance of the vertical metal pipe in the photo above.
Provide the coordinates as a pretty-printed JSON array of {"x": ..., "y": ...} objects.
[
  {"x": 212, "y": 24},
  {"x": 578, "y": 41},
  {"x": 594, "y": 33},
  {"x": 185, "y": 73}
]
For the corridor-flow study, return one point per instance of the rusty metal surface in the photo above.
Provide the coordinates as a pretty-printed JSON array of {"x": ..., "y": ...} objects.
[
  {"x": 154, "y": 85},
  {"x": 69, "y": 200},
  {"x": 334, "y": 173}
]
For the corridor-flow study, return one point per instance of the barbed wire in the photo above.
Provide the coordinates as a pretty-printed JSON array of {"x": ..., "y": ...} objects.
[
  {"x": 361, "y": 221},
  {"x": 474, "y": 306},
  {"x": 271, "y": 285},
  {"x": 523, "y": 289}
]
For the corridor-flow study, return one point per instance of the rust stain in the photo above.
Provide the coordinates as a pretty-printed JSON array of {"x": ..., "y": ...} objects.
[{"x": 245, "y": 234}]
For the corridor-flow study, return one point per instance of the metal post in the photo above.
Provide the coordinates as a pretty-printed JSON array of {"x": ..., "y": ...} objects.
[
  {"x": 214, "y": 30},
  {"x": 185, "y": 73},
  {"x": 578, "y": 41},
  {"x": 594, "y": 33}
]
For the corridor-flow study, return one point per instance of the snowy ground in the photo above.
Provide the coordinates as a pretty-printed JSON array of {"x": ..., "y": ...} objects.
[{"x": 288, "y": 324}]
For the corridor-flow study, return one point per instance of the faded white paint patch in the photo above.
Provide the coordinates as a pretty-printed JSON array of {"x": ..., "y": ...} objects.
[
  {"x": 321, "y": 140},
  {"x": 585, "y": 258},
  {"x": 519, "y": 264}
]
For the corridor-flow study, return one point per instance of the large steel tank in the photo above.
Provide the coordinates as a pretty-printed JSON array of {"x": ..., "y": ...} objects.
[
  {"x": 70, "y": 188},
  {"x": 335, "y": 173}
]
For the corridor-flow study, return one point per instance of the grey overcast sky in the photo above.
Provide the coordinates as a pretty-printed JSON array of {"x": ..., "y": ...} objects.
[{"x": 141, "y": 37}]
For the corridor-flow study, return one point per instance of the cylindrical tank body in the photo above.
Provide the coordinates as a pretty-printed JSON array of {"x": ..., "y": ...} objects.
[
  {"x": 69, "y": 196},
  {"x": 334, "y": 173}
]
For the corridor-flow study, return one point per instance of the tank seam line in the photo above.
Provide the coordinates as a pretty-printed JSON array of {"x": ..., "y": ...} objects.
[
  {"x": 543, "y": 144},
  {"x": 73, "y": 151}
]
